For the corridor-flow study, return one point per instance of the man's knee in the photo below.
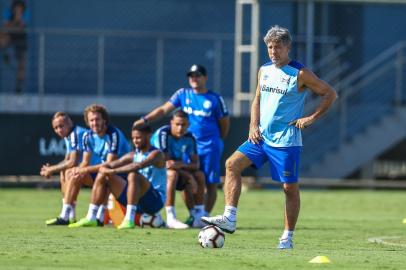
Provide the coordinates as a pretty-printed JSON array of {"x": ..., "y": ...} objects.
[
  {"x": 71, "y": 177},
  {"x": 172, "y": 175},
  {"x": 199, "y": 177},
  {"x": 101, "y": 179},
  {"x": 291, "y": 189},
  {"x": 234, "y": 164}
]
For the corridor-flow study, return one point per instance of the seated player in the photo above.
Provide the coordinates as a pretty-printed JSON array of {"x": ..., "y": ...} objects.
[
  {"x": 144, "y": 187},
  {"x": 182, "y": 164},
  {"x": 72, "y": 135},
  {"x": 102, "y": 143}
]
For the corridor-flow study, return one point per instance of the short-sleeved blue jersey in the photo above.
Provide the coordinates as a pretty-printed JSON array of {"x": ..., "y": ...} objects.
[
  {"x": 113, "y": 142},
  {"x": 204, "y": 111},
  {"x": 156, "y": 176},
  {"x": 177, "y": 148},
  {"x": 74, "y": 141}
]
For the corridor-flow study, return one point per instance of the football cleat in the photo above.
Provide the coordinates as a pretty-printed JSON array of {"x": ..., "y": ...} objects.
[
  {"x": 285, "y": 243},
  {"x": 126, "y": 224},
  {"x": 84, "y": 222},
  {"x": 176, "y": 224},
  {"x": 222, "y": 222},
  {"x": 57, "y": 221},
  {"x": 189, "y": 221}
]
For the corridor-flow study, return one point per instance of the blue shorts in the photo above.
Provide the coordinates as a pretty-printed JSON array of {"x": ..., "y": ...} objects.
[
  {"x": 150, "y": 203},
  {"x": 210, "y": 165},
  {"x": 283, "y": 161}
]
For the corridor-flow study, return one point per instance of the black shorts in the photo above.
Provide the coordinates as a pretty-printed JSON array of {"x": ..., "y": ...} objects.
[{"x": 181, "y": 183}]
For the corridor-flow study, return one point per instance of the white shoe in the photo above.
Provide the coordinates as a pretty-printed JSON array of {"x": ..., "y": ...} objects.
[
  {"x": 285, "y": 243},
  {"x": 176, "y": 224},
  {"x": 222, "y": 222}
]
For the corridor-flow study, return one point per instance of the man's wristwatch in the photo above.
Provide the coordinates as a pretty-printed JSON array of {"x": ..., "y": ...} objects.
[{"x": 143, "y": 118}]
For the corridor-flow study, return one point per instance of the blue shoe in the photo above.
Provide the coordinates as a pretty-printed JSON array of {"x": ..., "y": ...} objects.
[{"x": 285, "y": 243}]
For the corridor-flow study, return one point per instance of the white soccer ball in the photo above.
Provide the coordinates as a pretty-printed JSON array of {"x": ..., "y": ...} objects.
[
  {"x": 211, "y": 237},
  {"x": 151, "y": 221}
]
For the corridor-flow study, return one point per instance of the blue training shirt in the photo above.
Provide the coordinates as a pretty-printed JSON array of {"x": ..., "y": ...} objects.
[
  {"x": 177, "y": 148},
  {"x": 74, "y": 141},
  {"x": 112, "y": 142},
  {"x": 156, "y": 176},
  {"x": 204, "y": 111},
  {"x": 280, "y": 103}
]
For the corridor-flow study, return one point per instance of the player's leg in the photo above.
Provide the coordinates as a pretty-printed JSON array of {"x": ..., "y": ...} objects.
[
  {"x": 138, "y": 185},
  {"x": 72, "y": 188},
  {"x": 284, "y": 163},
  {"x": 198, "y": 211},
  {"x": 63, "y": 181},
  {"x": 292, "y": 208},
  {"x": 246, "y": 155},
  {"x": 188, "y": 186},
  {"x": 173, "y": 182},
  {"x": 100, "y": 191}
]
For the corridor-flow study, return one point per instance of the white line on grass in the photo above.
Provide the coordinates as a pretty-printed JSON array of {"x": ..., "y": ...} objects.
[{"x": 385, "y": 240}]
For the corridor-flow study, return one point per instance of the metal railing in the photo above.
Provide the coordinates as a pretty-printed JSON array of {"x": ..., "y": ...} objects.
[
  {"x": 365, "y": 97},
  {"x": 99, "y": 42}
]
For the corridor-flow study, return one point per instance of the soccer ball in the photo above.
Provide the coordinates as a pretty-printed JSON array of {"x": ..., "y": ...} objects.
[
  {"x": 151, "y": 221},
  {"x": 211, "y": 237}
]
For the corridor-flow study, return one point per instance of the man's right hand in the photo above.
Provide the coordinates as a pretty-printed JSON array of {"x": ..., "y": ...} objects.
[
  {"x": 106, "y": 170},
  {"x": 254, "y": 135}
]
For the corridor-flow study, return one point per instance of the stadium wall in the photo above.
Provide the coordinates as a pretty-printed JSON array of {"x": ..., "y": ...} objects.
[{"x": 28, "y": 141}]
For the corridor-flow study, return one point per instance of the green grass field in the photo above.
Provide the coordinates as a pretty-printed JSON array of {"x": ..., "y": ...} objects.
[{"x": 336, "y": 224}]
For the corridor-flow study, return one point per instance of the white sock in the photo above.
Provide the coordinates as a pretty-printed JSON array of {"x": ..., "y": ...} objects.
[
  {"x": 66, "y": 209},
  {"x": 130, "y": 212},
  {"x": 170, "y": 212},
  {"x": 287, "y": 234},
  {"x": 230, "y": 212},
  {"x": 199, "y": 210},
  {"x": 92, "y": 212},
  {"x": 72, "y": 214},
  {"x": 100, "y": 213}
]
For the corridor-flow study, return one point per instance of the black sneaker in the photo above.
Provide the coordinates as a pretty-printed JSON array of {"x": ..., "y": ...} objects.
[{"x": 57, "y": 221}]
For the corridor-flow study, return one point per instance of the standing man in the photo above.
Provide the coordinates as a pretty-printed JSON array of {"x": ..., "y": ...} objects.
[
  {"x": 72, "y": 135},
  {"x": 102, "y": 143},
  {"x": 274, "y": 133},
  {"x": 209, "y": 123},
  {"x": 14, "y": 35},
  {"x": 182, "y": 164}
]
